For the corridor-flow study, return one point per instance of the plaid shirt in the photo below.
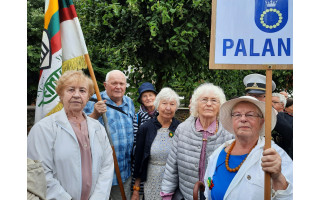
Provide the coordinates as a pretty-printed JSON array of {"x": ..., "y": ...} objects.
[{"x": 121, "y": 129}]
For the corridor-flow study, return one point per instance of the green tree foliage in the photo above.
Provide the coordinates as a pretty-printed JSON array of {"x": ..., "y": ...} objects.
[
  {"x": 35, "y": 18},
  {"x": 164, "y": 42}
]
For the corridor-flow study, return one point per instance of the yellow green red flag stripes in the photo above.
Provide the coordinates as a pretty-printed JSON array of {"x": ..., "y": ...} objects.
[{"x": 63, "y": 48}]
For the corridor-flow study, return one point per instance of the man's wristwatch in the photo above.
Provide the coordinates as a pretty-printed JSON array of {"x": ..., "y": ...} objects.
[{"x": 137, "y": 188}]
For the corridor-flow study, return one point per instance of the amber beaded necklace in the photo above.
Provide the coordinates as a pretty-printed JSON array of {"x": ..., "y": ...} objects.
[{"x": 228, "y": 155}]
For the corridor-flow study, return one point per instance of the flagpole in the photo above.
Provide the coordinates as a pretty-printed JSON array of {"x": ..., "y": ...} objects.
[
  {"x": 267, "y": 177},
  {"x": 105, "y": 120}
]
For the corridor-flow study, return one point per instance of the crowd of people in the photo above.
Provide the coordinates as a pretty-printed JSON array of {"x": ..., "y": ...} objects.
[{"x": 220, "y": 144}]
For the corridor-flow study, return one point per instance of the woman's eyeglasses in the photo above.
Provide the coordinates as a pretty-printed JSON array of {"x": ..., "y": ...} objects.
[
  {"x": 249, "y": 115},
  {"x": 206, "y": 100}
]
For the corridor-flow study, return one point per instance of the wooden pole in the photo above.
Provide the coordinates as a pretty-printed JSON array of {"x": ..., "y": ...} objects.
[
  {"x": 212, "y": 34},
  {"x": 267, "y": 178},
  {"x": 198, "y": 186},
  {"x": 105, "y": 120}
]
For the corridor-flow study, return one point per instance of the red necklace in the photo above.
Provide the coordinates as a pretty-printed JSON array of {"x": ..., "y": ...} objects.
[{"x": 228, "y": 155}]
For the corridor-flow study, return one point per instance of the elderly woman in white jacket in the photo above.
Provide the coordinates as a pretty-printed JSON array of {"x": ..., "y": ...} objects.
[
  {"x": 73, "y": 148},
  {"x": 236, "y": 169}
]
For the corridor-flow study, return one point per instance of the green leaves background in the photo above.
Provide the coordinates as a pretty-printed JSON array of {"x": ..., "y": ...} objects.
[{"x": 164, "y": 42}]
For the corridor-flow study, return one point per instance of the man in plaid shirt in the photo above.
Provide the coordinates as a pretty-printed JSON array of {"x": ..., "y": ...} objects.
[{"x": 120, "y": 120}]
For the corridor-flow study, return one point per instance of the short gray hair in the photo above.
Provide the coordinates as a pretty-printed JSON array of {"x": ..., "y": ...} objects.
[
  {"x": 166, "y": 94},
  {"x": 282, "y": 98},
  {"x": 200, "y": 90},
  {"x": 113, "y": 71}
]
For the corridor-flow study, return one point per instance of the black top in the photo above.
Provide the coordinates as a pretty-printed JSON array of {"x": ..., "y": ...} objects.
[
  {"x": 284, "y": 135},
  {"x": 145, "y": 136}
]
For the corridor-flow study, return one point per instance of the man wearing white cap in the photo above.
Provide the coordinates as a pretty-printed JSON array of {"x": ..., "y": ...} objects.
[{"x": 256, "y": 86}]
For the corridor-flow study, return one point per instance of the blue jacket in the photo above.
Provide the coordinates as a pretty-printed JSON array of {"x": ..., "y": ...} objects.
[{"x": 145, "y": 136}]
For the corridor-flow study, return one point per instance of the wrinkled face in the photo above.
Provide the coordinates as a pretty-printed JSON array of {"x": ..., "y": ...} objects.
[
  {"x": 167, "y": 108},
  {"x": 116, "y": 86},
  {"x": 260, "y": 97},
  {"x": 208, "y": 106},
  {"x": 75, "y": 97},
  {"x": 147, "y": 99},
  {"x": 249, "y": 123},
  {"x": 276, "y": 104}
]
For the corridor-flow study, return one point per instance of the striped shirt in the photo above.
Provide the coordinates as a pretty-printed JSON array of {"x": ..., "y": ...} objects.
[
  {"x": 121, "y": 130},
  {"x": 141, "y": 117}
]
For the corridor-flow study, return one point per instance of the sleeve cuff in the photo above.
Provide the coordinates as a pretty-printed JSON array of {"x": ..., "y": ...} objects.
[
  {"x": 282, "y": 193},
  {"x": 166, "y": 196}
]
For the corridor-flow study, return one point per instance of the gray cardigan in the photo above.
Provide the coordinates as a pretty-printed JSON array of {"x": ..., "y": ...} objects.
[{"x": 182, "y": 168}]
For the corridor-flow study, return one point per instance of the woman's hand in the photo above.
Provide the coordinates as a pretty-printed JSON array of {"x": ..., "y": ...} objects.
[
  {"x": 271, "y": 163},
  {"x": 99, "y": 108},
  {"x": 136, "y": 188},
  {"x": 135, "y": 195}
]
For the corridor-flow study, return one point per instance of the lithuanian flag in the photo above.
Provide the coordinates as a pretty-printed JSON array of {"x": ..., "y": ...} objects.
[{"x": 63, "y": 48}]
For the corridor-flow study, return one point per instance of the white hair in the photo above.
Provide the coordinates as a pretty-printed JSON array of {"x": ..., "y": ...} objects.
[
  {"x": 202, "y": 89},
  {"x": 166, "y": 94},
  {"x": 113, "y": 71},
  {"x": 282, "y": 98}
]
